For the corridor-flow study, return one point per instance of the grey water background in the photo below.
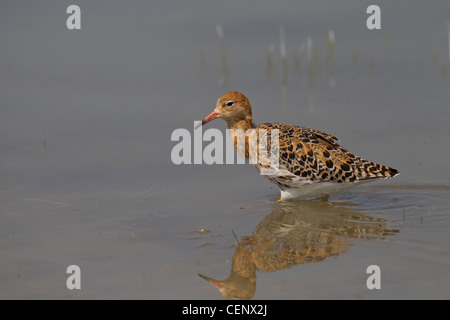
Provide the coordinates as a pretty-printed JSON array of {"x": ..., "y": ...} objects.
[{"x": 86, "y": 118}]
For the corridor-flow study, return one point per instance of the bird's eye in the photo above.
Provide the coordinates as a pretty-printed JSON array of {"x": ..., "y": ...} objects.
[{"x": 230, "y": 103}]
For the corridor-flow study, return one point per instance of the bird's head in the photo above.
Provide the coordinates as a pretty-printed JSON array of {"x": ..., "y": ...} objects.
[{"x": 232, "y": 107}]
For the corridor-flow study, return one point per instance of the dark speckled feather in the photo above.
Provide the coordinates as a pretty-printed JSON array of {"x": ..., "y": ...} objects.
[{"x": 315, "y": 155}]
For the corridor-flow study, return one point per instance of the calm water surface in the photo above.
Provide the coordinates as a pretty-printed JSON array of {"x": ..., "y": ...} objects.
[{"x": 86, "y": 176}]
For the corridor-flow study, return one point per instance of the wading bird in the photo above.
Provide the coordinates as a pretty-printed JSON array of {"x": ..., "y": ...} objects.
[{"x": 310, "y": 162}]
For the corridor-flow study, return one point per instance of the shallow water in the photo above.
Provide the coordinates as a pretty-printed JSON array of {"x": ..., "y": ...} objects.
[{"x": 86, "y": 176}]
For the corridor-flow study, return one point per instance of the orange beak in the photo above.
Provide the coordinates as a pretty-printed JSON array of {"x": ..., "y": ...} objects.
[
  {"x": 211, "y": 117},
  {"x": 216, "y": 283}
]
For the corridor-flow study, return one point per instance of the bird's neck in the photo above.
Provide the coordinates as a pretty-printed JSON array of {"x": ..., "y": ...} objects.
[
  {"x": 240, "y": 132},
  {"x": 243, "y": 124}
]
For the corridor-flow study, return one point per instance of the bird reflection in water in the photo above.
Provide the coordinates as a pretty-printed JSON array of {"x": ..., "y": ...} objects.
[{"x": 294, "y": 233}]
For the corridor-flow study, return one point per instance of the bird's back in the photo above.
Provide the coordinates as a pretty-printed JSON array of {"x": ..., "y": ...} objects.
[{"x": 307, "y": 156}]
